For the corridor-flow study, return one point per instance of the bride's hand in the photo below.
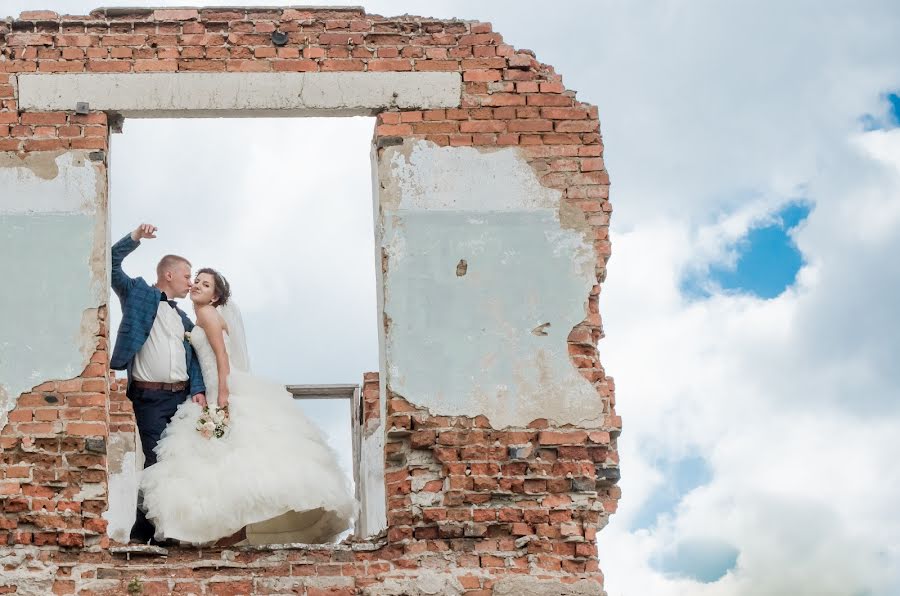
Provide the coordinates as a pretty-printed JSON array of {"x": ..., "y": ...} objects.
[{"x": 222, "y": 400}]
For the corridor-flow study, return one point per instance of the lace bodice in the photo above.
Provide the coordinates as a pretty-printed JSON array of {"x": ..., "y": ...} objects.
[{"x": 207, "y": 358}]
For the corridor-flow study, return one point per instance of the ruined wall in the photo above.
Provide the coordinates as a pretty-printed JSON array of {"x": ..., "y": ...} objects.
[
  {"x": 497, "y": 419},
  {"x": 368, "y": 453}
]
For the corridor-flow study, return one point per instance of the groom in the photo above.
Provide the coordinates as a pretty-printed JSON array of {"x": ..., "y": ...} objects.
[{"x": 151, "y": 345}]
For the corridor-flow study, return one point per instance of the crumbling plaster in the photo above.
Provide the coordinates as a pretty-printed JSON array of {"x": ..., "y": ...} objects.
[
  {"x": 485, "y": 276},
  {"x": 51, "y": 204},
  {"x": 125, "y": 458},
  {"x": 373, "y": 519}
]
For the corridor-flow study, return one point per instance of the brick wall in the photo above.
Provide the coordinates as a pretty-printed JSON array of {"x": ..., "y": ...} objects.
[
  {"x": 53, "y": 460},
  {"x": 371, "y": 405},
  {"x": 468, "y": 505}
]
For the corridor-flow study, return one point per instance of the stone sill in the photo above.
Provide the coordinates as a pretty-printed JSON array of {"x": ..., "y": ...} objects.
[{"x": 146, "y": 550}]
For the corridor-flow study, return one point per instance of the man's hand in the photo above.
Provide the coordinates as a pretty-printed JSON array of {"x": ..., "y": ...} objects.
[
  {"x": 200, "y": 400},
  {"x": 144, "y": 231}
]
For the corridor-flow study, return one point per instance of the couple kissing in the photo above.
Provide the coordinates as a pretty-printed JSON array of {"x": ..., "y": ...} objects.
[{"x": 228, "y": 456}]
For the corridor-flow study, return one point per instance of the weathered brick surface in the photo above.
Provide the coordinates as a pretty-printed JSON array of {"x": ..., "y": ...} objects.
[
  {"x": 465, "y": 501},
  {"x": 53, "y": 479},
  {"x": 371, "y": 403}
]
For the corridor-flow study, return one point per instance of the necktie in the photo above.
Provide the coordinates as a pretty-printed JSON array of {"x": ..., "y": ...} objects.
[{"x": 164, "y": 298}]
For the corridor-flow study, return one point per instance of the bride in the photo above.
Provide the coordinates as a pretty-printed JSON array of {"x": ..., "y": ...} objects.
[{"x": 270, "y": 470}]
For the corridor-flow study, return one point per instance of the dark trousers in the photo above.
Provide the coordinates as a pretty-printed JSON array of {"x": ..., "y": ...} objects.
[{"x": 152, "y": 411}]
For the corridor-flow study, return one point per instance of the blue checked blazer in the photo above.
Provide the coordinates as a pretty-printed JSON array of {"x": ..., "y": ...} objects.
[{"x": 140, "y": 302}]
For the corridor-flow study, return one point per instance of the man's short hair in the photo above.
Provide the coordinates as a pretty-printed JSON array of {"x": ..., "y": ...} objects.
[{"x": 169, "y": 262}]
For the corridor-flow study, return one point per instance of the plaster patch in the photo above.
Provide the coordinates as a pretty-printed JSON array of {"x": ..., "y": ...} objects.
[
  {"x": 124, "y": 461},
  {"x": 373, "y": 519},
  {"x": 419, "y": 175},
  {"x": 463, "y": 345},
  {"x": 424, "y": 583},
  {"x": 49, "y": 182},
  {"x": 49, "y": 320},
  {"x": 532, "y": 586},
  {"x": 24, "y": 570}
]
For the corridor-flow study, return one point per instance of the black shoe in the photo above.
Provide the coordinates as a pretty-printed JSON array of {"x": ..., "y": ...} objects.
[
  {"x": 134, "y": 539},
  {"x": 164, "y": 543}
]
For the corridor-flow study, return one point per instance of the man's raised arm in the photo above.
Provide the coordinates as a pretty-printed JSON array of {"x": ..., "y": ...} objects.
[{"x": 121, "y": 283}]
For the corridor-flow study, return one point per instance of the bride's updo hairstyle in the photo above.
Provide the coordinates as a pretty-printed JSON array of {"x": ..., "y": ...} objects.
[{"x": 222, "y": 289}]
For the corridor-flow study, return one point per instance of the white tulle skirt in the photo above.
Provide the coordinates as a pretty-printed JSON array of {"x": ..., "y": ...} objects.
[{"x": 273, "y": 472}]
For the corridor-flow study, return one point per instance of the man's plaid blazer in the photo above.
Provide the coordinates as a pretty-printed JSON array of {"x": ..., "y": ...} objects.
[{"x": 140, "y": 302}]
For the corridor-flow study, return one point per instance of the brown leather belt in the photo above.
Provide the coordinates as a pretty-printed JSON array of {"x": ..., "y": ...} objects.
[{"x": 154, "y": 386}]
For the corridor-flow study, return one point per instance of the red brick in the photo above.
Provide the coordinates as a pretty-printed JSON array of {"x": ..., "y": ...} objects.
[
  {"x": 10, "y": 488},
  {"x": 599, "y": 436},
  {"x": 43, "y": 118},
  {"x": 20, "y": 415},
  {"x": 389, "y": 65},
  {"x": 560, "y": 139},
  {"x": 108, "y": 66},
  {"x": 530, "y": 126},
  {"x": 36, "y": 428},
  {"x": 60, "y": 66},
  {"x": 155, "y": 65},
  {"x": 295, "y": 66},
  {"x": 436, "y": 65},
  {"x": 552, "y": 87},
  {"x": 28, "y": 39},
  {"x": 481, "y": 75},
  {"x": 506, "y": 99},
  {"x": 544, "y": 99},
  {"x": 592, "y": 164},
  {"x": 46, "y": 413},
  {"x": 85, "y": 400},
  {"x": 181, "y": 14},
  {"x": 564, "y": 113},
  {"x": 95, "y": 385},
  {"x": 331, "y": 65},
  {"x": 483, "y": 126},
  {"x": 38, "y": 15},
  {"x": 577, "y": 126},
  {"x": 446, "y": 127},
  {"x": 201, "y": 65},
  {"x": 86, "y": 429}
]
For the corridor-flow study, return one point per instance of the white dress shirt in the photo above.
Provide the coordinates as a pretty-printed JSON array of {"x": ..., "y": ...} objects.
[{"x": 162, "y": 358}]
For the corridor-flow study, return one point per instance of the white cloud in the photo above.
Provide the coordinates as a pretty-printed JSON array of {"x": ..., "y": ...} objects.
[{"x": 790, "y": 400}]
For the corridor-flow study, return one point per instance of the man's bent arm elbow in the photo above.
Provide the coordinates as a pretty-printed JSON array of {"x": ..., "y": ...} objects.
[{"x": 121, "y": 249}]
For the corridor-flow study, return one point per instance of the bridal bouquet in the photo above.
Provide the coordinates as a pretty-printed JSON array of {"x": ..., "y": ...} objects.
[{"x": 213, "y": 422}]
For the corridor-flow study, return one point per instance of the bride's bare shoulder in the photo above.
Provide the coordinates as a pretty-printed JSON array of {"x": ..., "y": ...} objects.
[{"x": 208, "y": 318}]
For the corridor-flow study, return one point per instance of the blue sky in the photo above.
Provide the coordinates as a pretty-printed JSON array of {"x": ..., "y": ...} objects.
[
  {"x": 686, "y": 474},
  {"x": 889, "y": 119},
  {"x": 766, "y": 259}
]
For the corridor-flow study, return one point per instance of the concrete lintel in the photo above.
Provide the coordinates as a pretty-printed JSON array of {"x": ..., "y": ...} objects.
[{"x": 181, "y": 94}]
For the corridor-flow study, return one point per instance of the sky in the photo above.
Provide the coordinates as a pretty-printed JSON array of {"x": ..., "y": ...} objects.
[{"x": 749, "y": 310}]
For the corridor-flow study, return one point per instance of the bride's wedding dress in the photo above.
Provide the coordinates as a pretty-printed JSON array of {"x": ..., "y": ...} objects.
[{"x": 272, "y": 471}]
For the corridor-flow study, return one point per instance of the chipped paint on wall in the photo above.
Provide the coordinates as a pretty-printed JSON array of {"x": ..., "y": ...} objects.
[
  {"x": 125, "y": 461},
  {"x": 490, "y": 337},
  {"x": 419, "y": 175},
  {"x": 373, "y": 519},
  {"x": 53, "y": 240}
]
